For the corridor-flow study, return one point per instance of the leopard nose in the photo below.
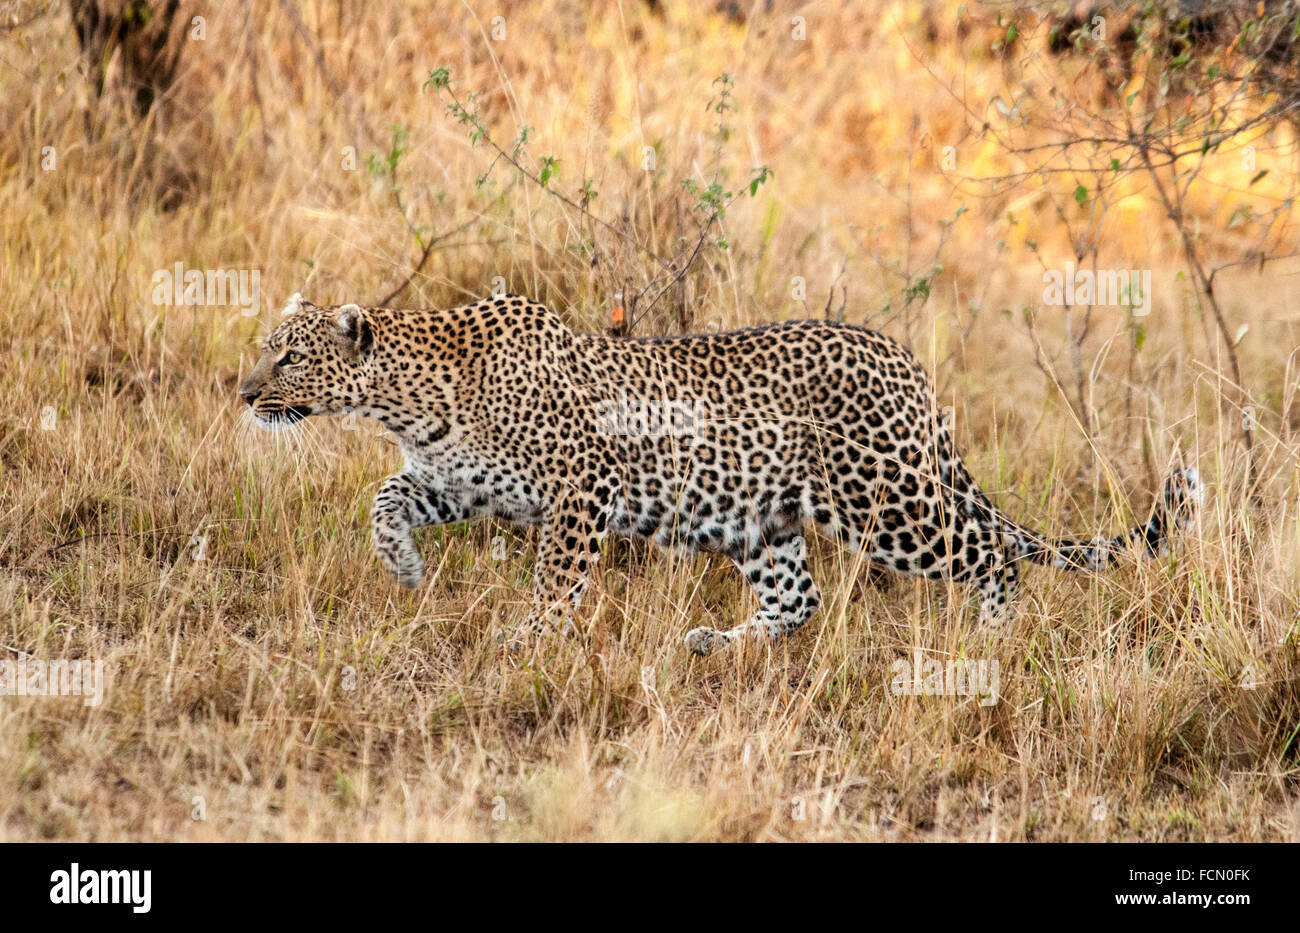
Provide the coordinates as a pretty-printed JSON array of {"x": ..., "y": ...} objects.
[{"x": 249, "y": 392}]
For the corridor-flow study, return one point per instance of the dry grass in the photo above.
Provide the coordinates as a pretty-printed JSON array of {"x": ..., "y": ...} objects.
[{"x": 230, "y": 676}]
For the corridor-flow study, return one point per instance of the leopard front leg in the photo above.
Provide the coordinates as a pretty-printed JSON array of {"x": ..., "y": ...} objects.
[
  {"x": 567, "y": 554},
  {"x": 403, "y": 504},
  {"x": 777, "y": 569}
]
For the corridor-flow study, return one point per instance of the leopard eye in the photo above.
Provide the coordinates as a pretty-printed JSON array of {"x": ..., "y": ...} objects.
[{"x": 292, "y": 358}]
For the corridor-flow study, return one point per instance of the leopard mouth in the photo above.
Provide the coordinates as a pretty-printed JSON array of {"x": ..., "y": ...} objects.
[{"x": 282, "y": 414}]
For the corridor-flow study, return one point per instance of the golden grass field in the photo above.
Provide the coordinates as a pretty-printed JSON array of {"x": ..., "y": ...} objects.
[{"x": 284, "y": 688}]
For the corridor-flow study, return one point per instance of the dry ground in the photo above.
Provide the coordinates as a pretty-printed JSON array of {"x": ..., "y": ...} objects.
[{"x": 284, "y": 688}]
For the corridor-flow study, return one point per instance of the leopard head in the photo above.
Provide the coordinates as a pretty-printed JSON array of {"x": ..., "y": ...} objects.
[{"x": 314, "y": 363}]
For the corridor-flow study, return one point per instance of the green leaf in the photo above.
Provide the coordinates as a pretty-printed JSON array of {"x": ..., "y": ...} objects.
[
  {"x": 547, "y": 171},
  {"x": 438, "y": 79},
  {"x": 1260, "y": 174},
  {"x": 1080, "y": 195}
]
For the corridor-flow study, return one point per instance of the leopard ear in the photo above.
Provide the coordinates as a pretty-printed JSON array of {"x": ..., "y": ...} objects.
[
  {"x": 355, "y": 336},
  {"x": 295, "y": 304}
]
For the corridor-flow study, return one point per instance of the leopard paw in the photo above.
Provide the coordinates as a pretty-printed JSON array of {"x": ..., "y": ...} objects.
[{"x": 704, "y": 640}]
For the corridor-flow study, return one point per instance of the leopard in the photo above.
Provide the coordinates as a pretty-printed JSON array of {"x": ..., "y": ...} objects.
[{"x": 739, "y": 443}]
